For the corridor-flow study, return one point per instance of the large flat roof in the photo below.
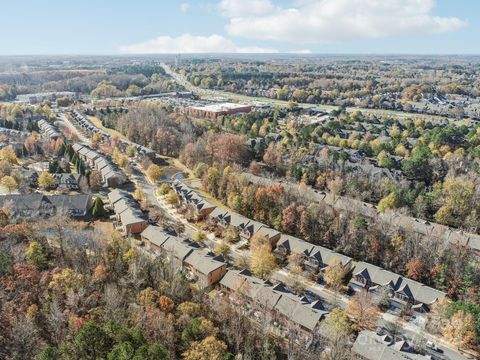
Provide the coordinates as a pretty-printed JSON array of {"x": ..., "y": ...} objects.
[{"x": 220, "y": 107}]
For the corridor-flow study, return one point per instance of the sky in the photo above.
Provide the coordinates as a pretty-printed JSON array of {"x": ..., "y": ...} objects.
[{"x": 33, "y": 27}]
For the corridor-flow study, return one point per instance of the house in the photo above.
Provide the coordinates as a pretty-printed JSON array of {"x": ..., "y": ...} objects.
[
  {"x": 200, "y": 206},
  {"x": 111, "y": 176},
  {"x": 154, "y": 237},
  {"x": 67, "y": 181},
  {"x": 402, "y": 290},
  {"x": 320, "y": 258},
  {"x": 72, "y": 205},
  {"x": 314, "y": 258},
  {"x": 268, "y": 233},
  {"x": 205, "y": 268},
  {"x": 128, "y": 216},
  {"x": 370, "y": 346},
  {"x": 50, "y": 131},
  {"x": 184, "y": 255},
  {"x": 275, "y": 302},
  {"x": 39, "y": 205}
]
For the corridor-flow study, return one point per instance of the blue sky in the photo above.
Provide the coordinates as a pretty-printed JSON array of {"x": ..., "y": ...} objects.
[{"x": 317, "y": 26}]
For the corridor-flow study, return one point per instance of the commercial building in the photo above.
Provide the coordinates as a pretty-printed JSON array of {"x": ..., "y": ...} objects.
[{"x": 215, "y": 110}]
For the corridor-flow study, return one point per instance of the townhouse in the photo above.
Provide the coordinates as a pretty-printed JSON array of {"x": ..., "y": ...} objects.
[
  {"x": 67, "y": 181},
  {"x": 48, "y": 130},
  {"x": 111, "y": 175},
  {"x": 402, "y": 290},
  {"x": 197, "y": 264},
  {"x": 274, "y": 303},
  {"x": 194, "y": 201},
  {"x": 129, "y": 218},
  {"x": 90, "y": 129},
  {"x": 39, "y": 205},
  {"x": 370, "y": 346},
  {"x": 314, "y": 258}
]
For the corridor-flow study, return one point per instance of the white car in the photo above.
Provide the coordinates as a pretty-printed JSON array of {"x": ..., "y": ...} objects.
[{"x": 431, "y": 345}]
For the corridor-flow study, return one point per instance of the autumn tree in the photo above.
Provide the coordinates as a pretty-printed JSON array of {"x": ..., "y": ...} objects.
[
  {"x": 138, "y": 194},
  {"x": 166, "y": 304},
  {"x": 154, "y": 172},
  {"x": 262, "y": 260},
  {"x": 164, "y": 189},
  {"x": 46, "y": 180},
  {"x": 66, "y": 280},
  {"x": 222, "y": 248},
  {"x": 391, "y": 201},
  {"x": 231, "y": 235},
  {"x": 230, "y": 148},
  {"x": 9, "y": 183},
  {"x": 460, "y": 329},
  {"x": 457, "y": 198},
  {"x": 335, "y": 185},
  {"x": 364, "y": 310},
  {"x": 8, "y": 154},
  {"x": 335, "y": 274},
  {"x": 415, "y": 269},
  {"x": 95, "y": 140},
  {"x": 338, "y": 322},
  {"x": 209, "y": 348},
  {"x": 199, "y": 237}
]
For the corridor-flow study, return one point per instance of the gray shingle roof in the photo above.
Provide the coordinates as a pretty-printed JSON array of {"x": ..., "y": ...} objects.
[{"x": 202, "y": 262}]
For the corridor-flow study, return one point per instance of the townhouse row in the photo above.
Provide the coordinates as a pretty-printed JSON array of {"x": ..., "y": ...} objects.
[
  {"x": 268, "y": 302},
  {"x": 198, "y": 264},
  {"x": 37, "y": 205},
  {"x": 111, "y": 175},
  {"x": 313, "y": 258},
  {"x": 90, "y": 129},
  {"x": 48, "y": 130},
  {"x": 128, "y": 218}
]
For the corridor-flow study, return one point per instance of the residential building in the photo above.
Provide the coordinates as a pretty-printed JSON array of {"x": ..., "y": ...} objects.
[
  {"x": 111, "y": 175},
  {"x": 370, "y": 346},
  {"x": 48, "y": 130},
  {"x": 196, "y": 263},
  {"x": 274, "y": 303},
  {"x": 39, "y": 205},
  {"x": 129, "y": 218},
  {"x": 314, "y": 258},
  {"x": 402, "y": 290},
  {"x": 194, "y": 201}
]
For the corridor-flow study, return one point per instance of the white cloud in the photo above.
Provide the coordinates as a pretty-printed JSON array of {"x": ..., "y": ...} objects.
[
  {"x": 188, "y": 43},
  {"x": 184, "y": 7},
  {"x": 236, "y": 8},
  {"x": 302, "y": 51},
  {"x": 324, "y": 21}
]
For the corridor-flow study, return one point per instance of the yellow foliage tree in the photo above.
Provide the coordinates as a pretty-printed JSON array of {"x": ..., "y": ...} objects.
[
  {"x": 147, "y": 297},
  {"x": 460, "y": 329},
  {"x": 338, "y": 322},
  {"x": 46, "y": 180},
  {"x": 363, "y": 308},
  {"x": 209, "y": 348},
  {"x": 263, "y": 262},
  {"x": 66, "y": 280},
  {"x": 8, "y": 154},
  {"x": 334, "y": 274},
  {"x": 154, "y": 172},
  {"x": 9, "y": 183}
]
